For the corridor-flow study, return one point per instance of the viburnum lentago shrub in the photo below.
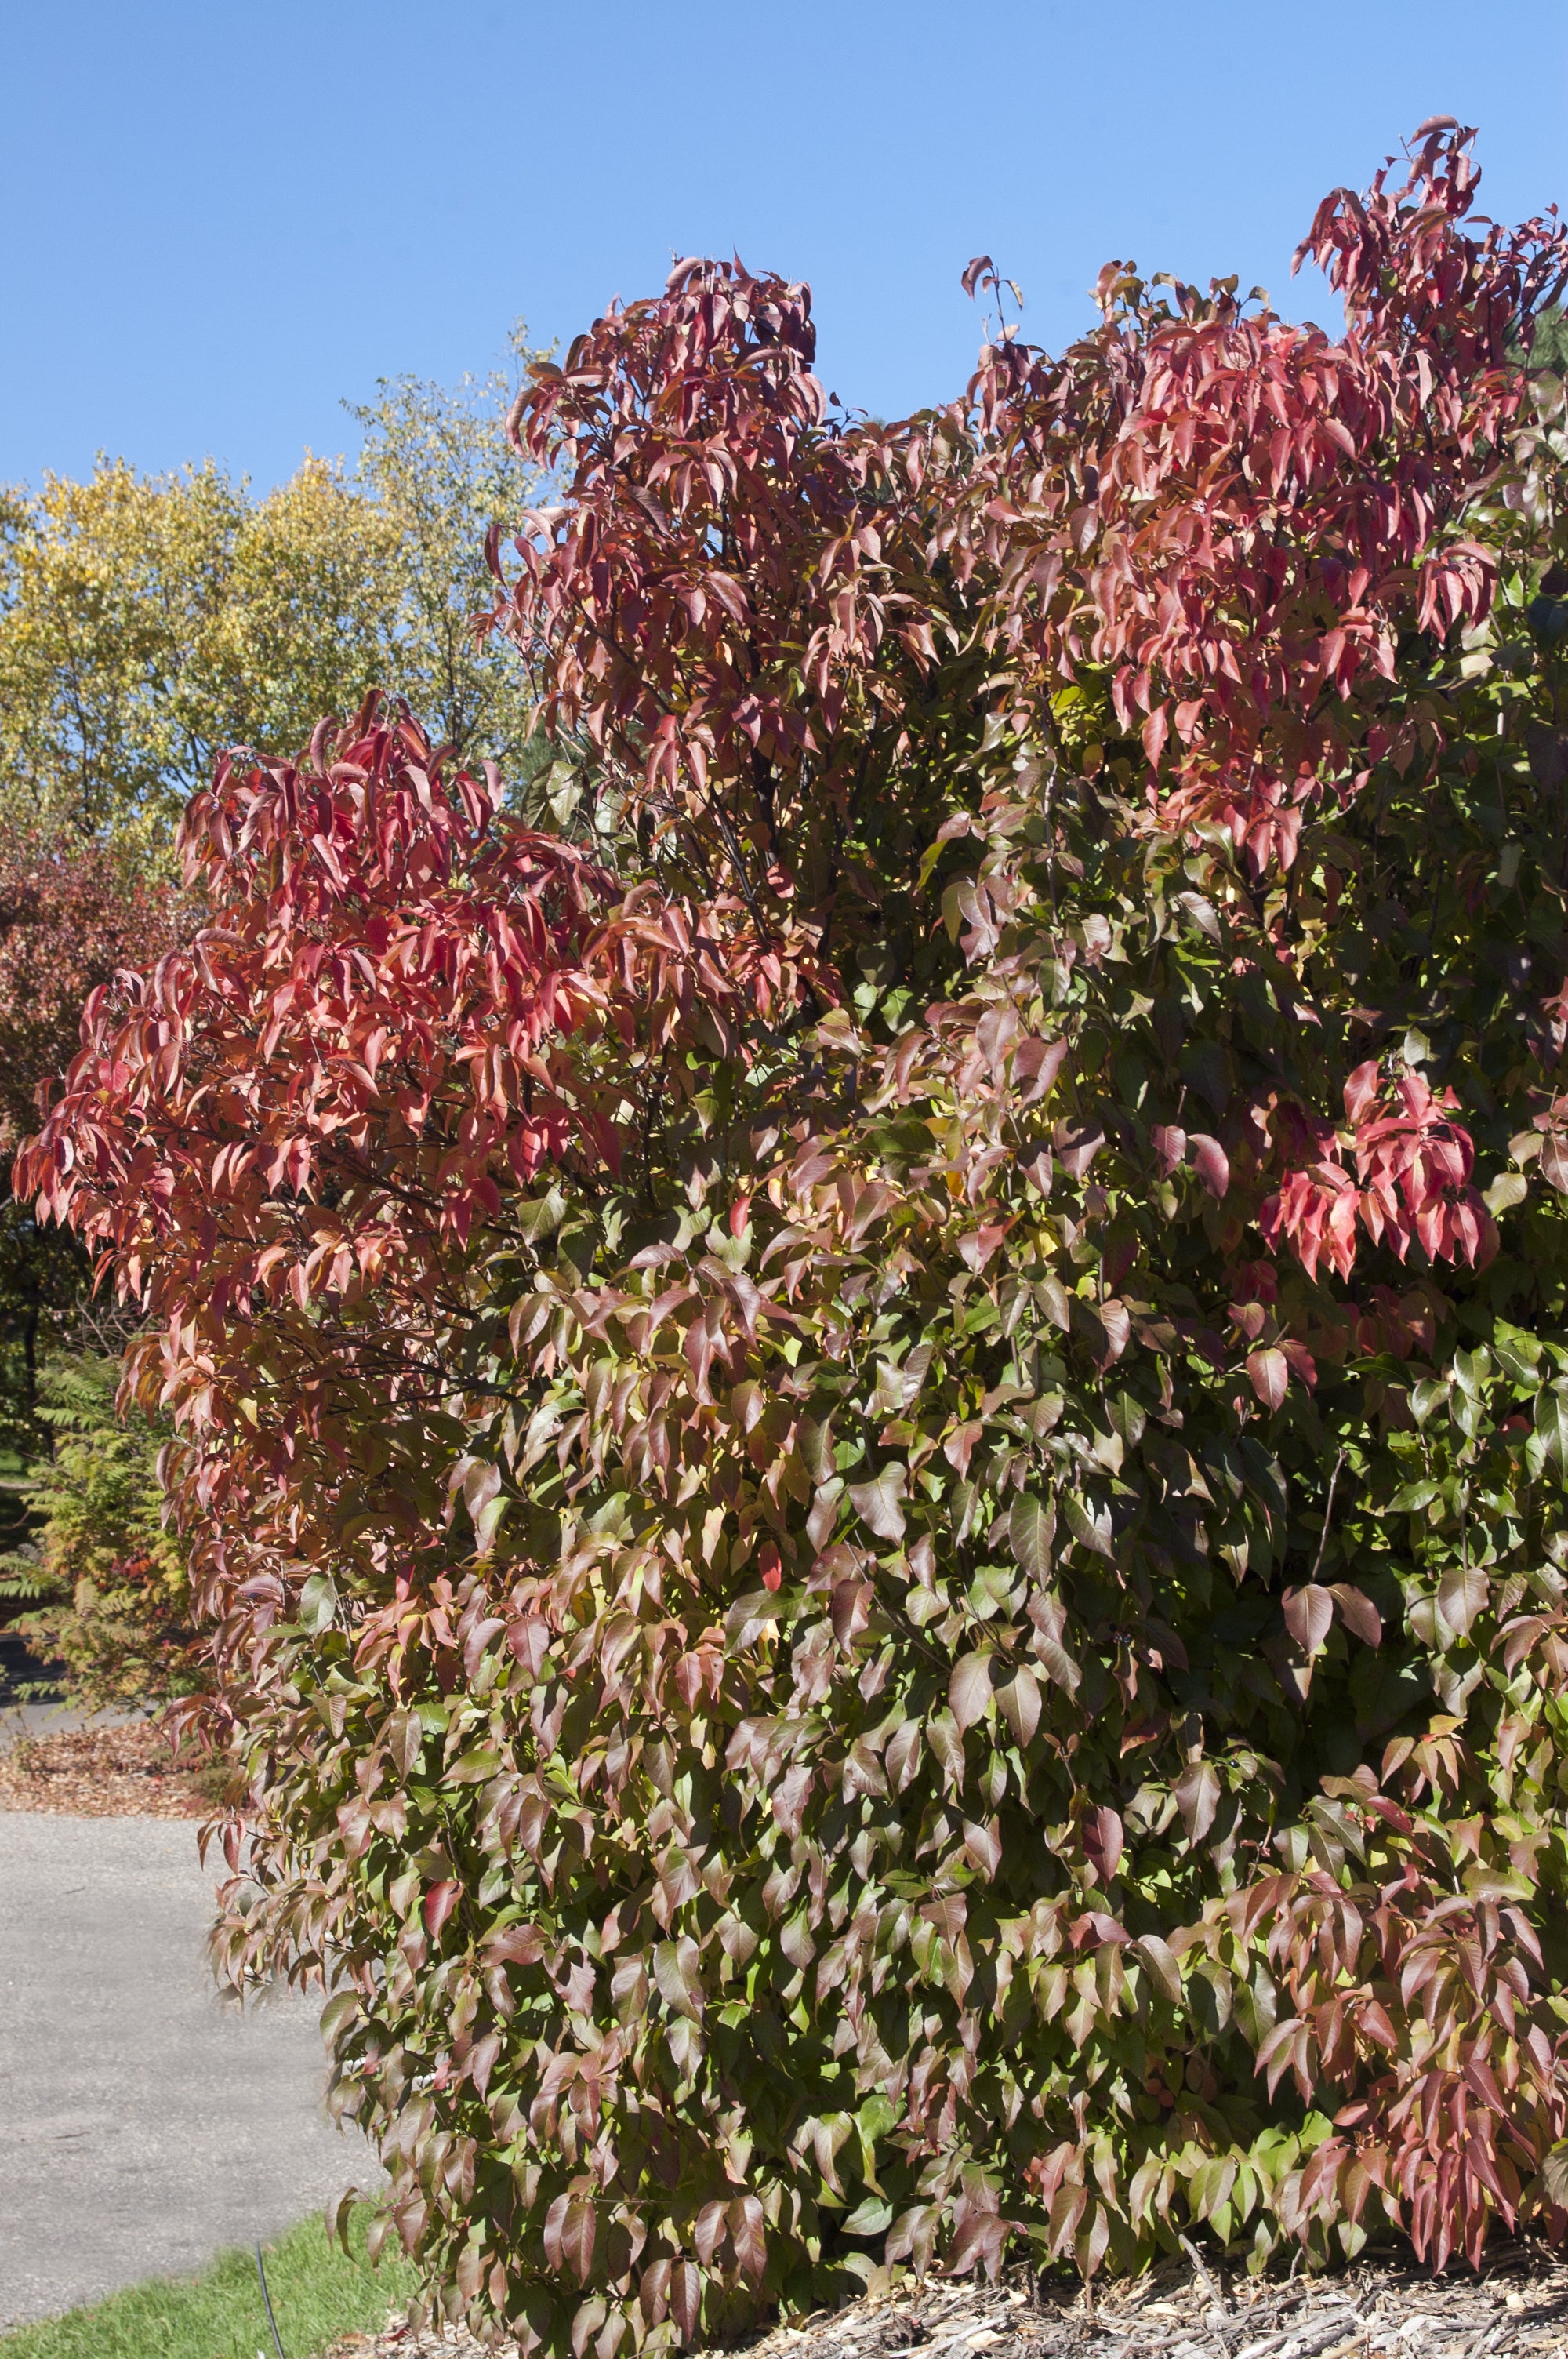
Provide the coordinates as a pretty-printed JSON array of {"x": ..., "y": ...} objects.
[{"x": 876, "y": 1457}]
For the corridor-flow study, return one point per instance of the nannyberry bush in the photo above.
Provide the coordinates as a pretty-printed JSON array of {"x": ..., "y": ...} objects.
[{"x": 877, "y": 1454}]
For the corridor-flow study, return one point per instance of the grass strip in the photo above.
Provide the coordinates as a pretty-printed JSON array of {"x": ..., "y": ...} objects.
[{"x": 318, "y": 2293}]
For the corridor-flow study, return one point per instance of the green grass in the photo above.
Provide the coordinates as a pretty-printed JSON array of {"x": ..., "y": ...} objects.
[{"x": 318, "y": 2293}]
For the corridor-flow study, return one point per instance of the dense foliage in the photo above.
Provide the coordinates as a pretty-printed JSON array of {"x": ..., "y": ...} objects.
[{"x": 884, "y": 1492}]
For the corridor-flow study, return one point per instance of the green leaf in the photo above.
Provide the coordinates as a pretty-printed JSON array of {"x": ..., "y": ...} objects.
[
  {"x": 879, "y": 1504},
  {"x": 1161, "y": 1962},
  {"x": 319, "y": 1602},
  {"x": 1519, "y": 1352},
  {"x": 1508, "y": 1189},
  {"x": 1487, "y": 1882},
  {"x": 1092, "y": 1532},
  {"x": 1030, "y": 1524},
  {"x": 1554, "y": 2174},
  {"x": 1462, "y": 1596},
  {"x": 341, "y": 2010},
  {"x": 537, "y": 1218},
  {"x": 1551, "y": 1425}
]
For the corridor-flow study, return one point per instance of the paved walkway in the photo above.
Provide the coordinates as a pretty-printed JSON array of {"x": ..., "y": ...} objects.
[{"x": 143, "y": 2124}]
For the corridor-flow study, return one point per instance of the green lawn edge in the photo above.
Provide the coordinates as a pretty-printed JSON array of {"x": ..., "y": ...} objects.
[{"x": 318, "y": 2293}]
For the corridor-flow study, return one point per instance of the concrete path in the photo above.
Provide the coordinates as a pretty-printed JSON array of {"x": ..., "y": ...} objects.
[
  {"x": 143, "y": 2123},
  {"x": 19, "y": 1720}
]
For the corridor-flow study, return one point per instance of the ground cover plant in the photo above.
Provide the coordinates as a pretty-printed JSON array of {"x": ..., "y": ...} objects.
[
  {"x": 878, "y": 1460},
  {"x": 318, "y": 2293}
]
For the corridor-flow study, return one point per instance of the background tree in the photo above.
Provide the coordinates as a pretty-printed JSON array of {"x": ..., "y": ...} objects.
[
  {"x": 882, "y": 1494},
  {"x": 440, "y": 470},
  {"x": 104, "y": 1583},
  {"x": 72, "y": 912},
  {"x": 1549, "y": 346},
  {"x": 146, "y": 623}
]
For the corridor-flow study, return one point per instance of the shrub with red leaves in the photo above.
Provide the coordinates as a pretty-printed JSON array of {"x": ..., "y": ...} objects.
[{"x": 882, "y": 1490}]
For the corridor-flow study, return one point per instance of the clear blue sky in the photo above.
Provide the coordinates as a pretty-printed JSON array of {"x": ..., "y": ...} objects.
[{"x": 221, "y": 219}]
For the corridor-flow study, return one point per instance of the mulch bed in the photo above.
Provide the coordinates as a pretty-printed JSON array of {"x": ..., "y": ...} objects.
[
  {"x": 1386, "y": 2306},
  {"x": 101, "y": 1773}
]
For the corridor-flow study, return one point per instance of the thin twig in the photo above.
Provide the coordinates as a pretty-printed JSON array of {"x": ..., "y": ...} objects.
[
  {"x": 1200, "y": 2270},
  {"x": 1327, "y": 1514}
]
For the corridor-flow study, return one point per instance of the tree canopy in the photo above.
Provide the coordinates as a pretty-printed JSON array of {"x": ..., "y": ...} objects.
[{"x": 147, "y": 623}]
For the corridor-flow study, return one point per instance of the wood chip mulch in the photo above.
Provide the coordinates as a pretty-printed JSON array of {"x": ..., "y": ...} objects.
[
  {"x": 1382, "y": 2308},
  {"x": 100, "y": 1773}
]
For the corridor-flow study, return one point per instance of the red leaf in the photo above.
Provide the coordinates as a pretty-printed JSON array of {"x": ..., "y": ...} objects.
[
  {"x": 1197, "y": 1798},
  {"x": 1170, "y": 1145},
  {"x": 1361, "y": 1092},
  {"x": 1077, "y": 1145},
  {"x": 1038, "y": 1062},
  {"x": 685, "y": 2298},
  {"x": 1269, "y": 1375},
  {"x": 1309, "y": 1612},
  {"x": 1357, "y": 1612},
  {"x": 1115, "y": 1318},
  {"x": 970, "y": 1690},
  {"x": 1212, "y": 1162},
  {"x": 439, "y": 1902},
  {"x": 1103, "y": 1837},
  {"x": 747, "y": 2237}
]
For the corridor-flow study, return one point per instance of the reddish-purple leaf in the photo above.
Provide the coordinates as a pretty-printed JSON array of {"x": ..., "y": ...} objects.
[
  {"x": 1170, "y": 1145},
  {"x": 439, "y": 1902},
  {"x": 1212, "y": 1163},
  {"x": 1309, "y": 1612},
  {"x": 1036, "y": 1063},
  {"x": 970, "y": 1690},
  {"x": 1357, "y": 1612},
  {"x": 1197, "y": 1798},
  {"x": 748, "y": 2236},
  {"x": 1077, "y": 1145},
  {"x": 1103, "y": 1839},
  {"x": 685, "y": 2298}
]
